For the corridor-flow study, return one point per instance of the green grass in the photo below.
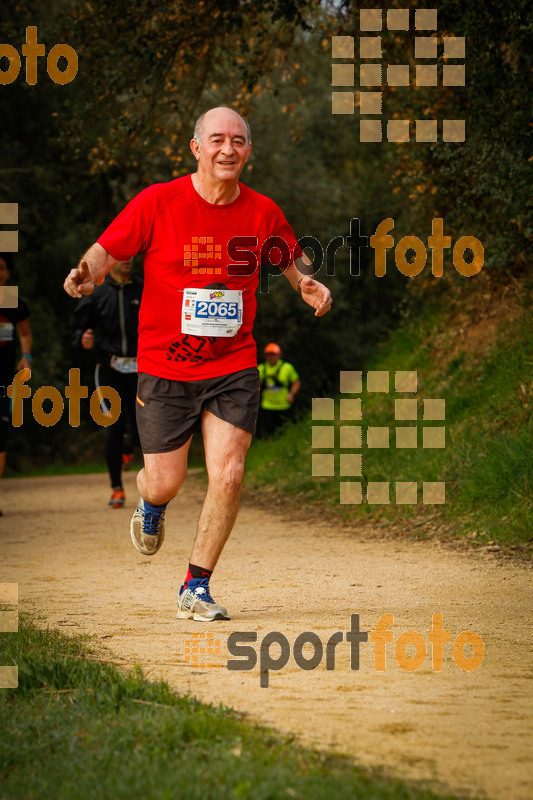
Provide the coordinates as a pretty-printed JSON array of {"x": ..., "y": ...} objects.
[
  {"x": 488, "y": 459},
  {"x": 79, "y": 728}
]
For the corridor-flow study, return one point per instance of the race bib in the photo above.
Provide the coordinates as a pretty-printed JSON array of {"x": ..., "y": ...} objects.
[
  {"x": 211, "y": 312},
  {"x": 7, "y": 331},
  {"x": 124, "y": 364}
]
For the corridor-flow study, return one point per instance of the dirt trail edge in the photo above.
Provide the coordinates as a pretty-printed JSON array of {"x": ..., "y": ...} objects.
[{"x": 470, "y": 731}]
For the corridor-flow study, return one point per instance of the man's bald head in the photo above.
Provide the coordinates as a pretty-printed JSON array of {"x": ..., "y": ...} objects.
[{"x": 199, "y": 125}]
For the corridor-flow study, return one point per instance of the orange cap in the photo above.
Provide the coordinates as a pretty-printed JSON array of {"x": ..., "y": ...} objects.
[{"x": 273, "y": 348}]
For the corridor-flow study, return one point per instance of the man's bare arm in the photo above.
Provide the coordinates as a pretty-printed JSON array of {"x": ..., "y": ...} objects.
[
  {"x": 26, "y": 341},
  {"x": 313, "y": 292},
  {"x": 90, "y": 272}
]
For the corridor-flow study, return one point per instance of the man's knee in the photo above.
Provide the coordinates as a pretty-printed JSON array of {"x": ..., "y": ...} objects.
[
  {"x": 228, "y": 473},
  {"x": 158, "y": 487}
]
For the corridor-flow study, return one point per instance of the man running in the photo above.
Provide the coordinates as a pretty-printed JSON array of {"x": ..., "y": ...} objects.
[
  {"x": 197, "y": 357},
  {"x": 107, "y": 320},
  {"x": 13, "y": 322}
]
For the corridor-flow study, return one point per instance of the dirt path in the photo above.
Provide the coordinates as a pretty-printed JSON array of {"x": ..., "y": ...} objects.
[{"x": 472, "y": 731}]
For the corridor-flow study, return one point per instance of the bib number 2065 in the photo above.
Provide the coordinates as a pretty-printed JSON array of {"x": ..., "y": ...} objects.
[
  {"x": 214, "y": 309},
  {"x": 211, "y": 312}
]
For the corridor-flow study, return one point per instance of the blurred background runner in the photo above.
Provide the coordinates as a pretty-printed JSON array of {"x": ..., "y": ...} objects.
[
  {"x": 108, "y": 320},
  {"x": 279, "y": 386},
  {"x": 11, "y": 319}
]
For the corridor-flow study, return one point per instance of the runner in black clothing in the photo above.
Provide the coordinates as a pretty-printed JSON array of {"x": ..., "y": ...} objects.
[
  {"x": 108, "y": 320},
  {"x": 11, "y": 319}
]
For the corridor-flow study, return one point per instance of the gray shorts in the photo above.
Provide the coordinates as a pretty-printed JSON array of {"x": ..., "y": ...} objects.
[{"x": 168, "y": 410}]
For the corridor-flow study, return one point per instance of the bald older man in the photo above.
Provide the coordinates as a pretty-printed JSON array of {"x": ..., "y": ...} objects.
[{"x": 197, "y": 356}]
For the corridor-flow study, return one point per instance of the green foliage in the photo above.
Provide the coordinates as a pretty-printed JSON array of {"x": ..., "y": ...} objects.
[
  {"x": 77, "y": 727},
  {"x": 486, "y": 463}
]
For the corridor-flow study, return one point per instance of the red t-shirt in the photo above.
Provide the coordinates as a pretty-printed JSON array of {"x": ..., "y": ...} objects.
[{"x": 186, "y": 242}]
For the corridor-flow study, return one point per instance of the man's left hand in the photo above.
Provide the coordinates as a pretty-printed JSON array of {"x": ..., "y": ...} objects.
[{"x": 316, "y": 295}]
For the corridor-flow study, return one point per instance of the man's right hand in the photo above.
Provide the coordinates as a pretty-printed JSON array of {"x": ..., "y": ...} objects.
[
  {"x": 87, "y": 339},
  {"x": 79, "y": 281}
]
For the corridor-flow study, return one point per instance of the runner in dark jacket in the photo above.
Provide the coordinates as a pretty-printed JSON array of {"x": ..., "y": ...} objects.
[
  {"x": 13, "y": 322},
  {"x": 107, "y": 320}
]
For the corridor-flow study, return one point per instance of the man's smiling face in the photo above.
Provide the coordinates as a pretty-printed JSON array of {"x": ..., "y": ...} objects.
[{"x": 224, "y": 148}]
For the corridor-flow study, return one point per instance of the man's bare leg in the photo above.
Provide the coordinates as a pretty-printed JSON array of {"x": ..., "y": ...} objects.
[
  {"x": 163, "y": 475},
  {"x": 225, "y": 456},
  {"x": 158, "y": 482}
]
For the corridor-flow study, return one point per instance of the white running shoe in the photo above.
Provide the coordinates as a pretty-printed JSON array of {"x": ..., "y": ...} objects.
[
  {"x": 147, "y": 529},
  {"x": 195, "y": 602}
]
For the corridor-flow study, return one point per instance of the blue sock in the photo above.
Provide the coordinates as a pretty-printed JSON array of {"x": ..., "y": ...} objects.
[{"x": 156, "y": 509}]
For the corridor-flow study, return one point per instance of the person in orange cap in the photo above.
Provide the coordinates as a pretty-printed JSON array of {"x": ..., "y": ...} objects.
[{"x": 280, "y": 384}]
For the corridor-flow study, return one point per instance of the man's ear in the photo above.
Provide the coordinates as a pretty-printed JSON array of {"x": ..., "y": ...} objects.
[{"x": 195, "y": 147}]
